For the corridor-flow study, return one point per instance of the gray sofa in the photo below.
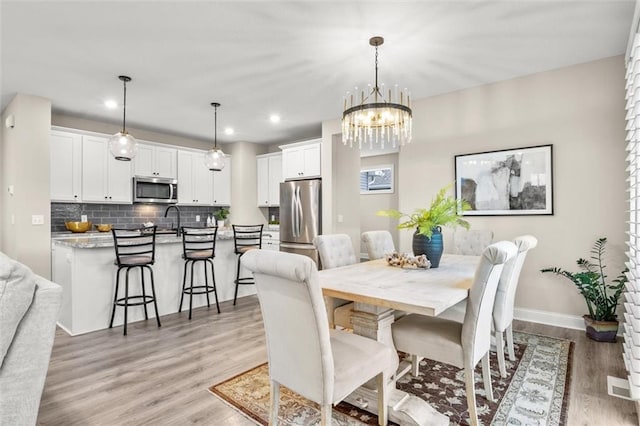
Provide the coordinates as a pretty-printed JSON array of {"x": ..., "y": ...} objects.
[{"x": 29, "y": 306}]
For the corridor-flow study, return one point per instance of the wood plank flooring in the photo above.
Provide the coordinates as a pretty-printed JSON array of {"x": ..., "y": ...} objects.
[{"x": 160, "y": 376}]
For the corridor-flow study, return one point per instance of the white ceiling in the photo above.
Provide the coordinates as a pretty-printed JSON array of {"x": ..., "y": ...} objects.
[{"x": 296, "y": 58}]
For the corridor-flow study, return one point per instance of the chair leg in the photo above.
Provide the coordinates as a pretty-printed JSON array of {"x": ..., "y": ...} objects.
[
  {"x": 126, "y": 299},
  {"x": 115, "y": 297},
  {"x": 274, "y": 402},
  {"x": 500, "y": 353},
  {"x": 471, "y": 395},
  {"x": 144, "y": 293},
  {"x": 235, "y": 296},
  {"x": 325, "y": 414},
  {"x": 153, "y": 291},
  {"x": 206, "y": 282},
  {"x": 191, "y": 290},
  {"x": 383, "y": 399},
  {"x": 415, "y": 365},
  {"x": 184, "y": 284},
  {"x": 512, "y": 354},
  {"x": 486, "y": 377},
  {"x": 215, "y": 289}
]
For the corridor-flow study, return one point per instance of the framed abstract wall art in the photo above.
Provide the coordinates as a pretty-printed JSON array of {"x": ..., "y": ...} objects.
[{"x": 506, "y": 182}]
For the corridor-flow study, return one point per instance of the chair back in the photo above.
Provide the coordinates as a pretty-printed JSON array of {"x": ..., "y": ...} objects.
[
  {"x": 476, "y": 328},
  {"x": 199, "y": 243},
  {"x": 505, "y": 297},
  {"x": 378, "y": 243},
  {"x": 471, "y": 242},
  {"x": 247, "y": 237},
  {"x": 135, "y": 246},
  {"x": 295, "y": 322},
  {"x": 335, "y": 250}
]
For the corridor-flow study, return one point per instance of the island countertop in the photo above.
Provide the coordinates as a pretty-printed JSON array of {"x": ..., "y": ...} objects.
[{"x": 105, "y": 239}]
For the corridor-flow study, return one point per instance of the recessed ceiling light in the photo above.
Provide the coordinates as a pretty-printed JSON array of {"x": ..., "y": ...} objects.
[
  {"x": 228, "y": 131},
  {"x": 111, "y": 104},
  {"x": 274, "y": 118}
]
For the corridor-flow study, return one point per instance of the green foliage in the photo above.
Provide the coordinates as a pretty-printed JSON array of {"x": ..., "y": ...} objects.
[
  {"x": 443, "y": 211},
  {"x": 221, "y": 214},
  {"x": 602, "y": 298}
]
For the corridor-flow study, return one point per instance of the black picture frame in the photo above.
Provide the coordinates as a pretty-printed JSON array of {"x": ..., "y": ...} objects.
[{"x": 507, "y": 182}]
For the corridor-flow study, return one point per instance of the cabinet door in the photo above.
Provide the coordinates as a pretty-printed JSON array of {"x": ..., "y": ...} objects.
[
  {"x": 311, "y": 159},
  {"x": 222, "y": 185},
  {"x": 275, "y": 177},
  {"x": 94, "y": 169},
  {"x": 165, "y": 162},
  {"x": 292, "y": 163},
  {"x": 119, "y": 180},
  {"x": 263, "y": 184},
  {"x": 203, "y": 181},
  {"x": 143, "y": 161},
  {"x": 66, "y": 166},
  {"x": 185, "y": 178}
]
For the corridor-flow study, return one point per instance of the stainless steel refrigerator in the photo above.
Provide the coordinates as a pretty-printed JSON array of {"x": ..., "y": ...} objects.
[{"x": 300, "y": 216}]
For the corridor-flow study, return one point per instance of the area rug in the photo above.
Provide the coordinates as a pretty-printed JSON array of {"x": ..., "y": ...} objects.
[{"x": 534, "y": 392}]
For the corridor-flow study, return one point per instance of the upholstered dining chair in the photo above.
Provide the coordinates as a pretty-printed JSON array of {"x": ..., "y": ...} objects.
[
  {"x": 336, "y": 250},
  {"x": 307, "y": 357},
  {"x": 378, "y": 243},
  {"x": 462, "y": 345},
  {"x": 471, "y": 241}
]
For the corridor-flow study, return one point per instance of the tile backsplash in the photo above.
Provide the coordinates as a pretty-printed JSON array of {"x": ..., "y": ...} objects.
[{"x": 127, "y": 215}]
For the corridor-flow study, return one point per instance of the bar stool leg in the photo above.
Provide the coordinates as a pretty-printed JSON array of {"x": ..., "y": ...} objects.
[
  {"x": 153, "y": 292},
  {"x": 115, "y": 297},
  {"x": 215, "y": 289},
  {"x": 184, "y": 284},
  {"x": 191, "y": 290},
  {"x": 206, "y": 282},
  {"x": 144, "y": 294},
  {"x": 126, "y": 299},
  {"x": 235, "y": 296}
]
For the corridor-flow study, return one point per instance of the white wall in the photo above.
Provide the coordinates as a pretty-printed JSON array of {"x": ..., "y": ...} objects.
[
  {"x": 244, "y": 204},
  {"x": 24, "y": 164}
]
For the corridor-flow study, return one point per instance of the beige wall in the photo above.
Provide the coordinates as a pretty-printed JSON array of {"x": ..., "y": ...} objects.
[
  {"x": 346, "y": 191},
  {"x": 24, "y": 164},
  {"x": 244, "y": 204},
  {"x": 580, "y": 110}
]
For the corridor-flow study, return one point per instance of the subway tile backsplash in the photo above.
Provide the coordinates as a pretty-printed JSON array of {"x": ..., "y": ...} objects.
[{"x": 127, "y": 215}]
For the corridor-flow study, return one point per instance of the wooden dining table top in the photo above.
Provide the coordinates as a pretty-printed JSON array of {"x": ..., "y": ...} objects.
[{"x": 422, "y": 291}]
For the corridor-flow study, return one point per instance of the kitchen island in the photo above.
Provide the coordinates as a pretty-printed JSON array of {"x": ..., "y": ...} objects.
[{"x": 83, "y": 264}]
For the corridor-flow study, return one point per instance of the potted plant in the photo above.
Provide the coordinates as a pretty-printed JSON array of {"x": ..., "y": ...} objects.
[
  {"x": 221, "y": 215},
  {"x": 428, "y": 223},
  {"x": 602, "y": 299}
]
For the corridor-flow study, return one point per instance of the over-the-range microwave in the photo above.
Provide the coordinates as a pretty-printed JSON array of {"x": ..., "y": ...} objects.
[{"x": 155, "y": 190}]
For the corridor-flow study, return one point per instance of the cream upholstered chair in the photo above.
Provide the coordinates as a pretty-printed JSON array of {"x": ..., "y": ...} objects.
[
  {"x": 307, "y": 357},
  {"x": 505, "y": 300},
  {"x": 378, "y": 243},
  {"x": 336, "y": 250},
  {"x": 471, "y": 241},
  {"x": 462, "y": 345}
]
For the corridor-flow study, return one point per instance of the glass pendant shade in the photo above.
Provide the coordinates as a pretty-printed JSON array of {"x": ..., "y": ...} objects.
[
  {"x": 122, "y": 145},
  {"x": 214, "y": 159}
]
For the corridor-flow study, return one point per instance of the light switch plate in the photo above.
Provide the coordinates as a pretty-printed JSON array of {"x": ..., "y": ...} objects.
[
  {"x": 197, "y": 218},
  {"x": 83, "y": 218},
  {"x": 37, "y": 219}
]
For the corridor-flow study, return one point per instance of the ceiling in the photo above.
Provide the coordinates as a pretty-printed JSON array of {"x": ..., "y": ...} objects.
[{"x": 297, "y": 58}]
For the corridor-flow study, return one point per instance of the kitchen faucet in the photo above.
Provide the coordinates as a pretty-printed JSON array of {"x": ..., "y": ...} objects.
[{"x": 178, "y": 213}]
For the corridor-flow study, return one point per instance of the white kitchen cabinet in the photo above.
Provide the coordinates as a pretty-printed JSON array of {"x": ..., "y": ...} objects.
[
  {"x": 155, "y": 161},
  {"x": 104, "y": 179},
  {"x": 195, "y": 183},
  {"x": 66, "y": 166},
  {"x": 222, "y": 185},
  {"x": 301, "y": 160},
  {"x": 269, "y": 173},
  {"x": 271, "y": 240}
]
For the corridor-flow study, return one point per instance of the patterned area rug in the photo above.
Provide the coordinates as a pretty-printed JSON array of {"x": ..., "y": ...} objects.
[{"x": 535, "y": 391}]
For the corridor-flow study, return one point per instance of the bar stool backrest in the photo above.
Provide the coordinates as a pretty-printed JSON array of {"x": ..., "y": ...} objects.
[
  {"x": 135, "y": 246},
  {"x": 247, "y": 237},
  {"x": 199, "y": 243}
]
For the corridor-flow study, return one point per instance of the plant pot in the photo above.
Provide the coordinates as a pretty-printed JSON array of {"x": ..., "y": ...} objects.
[
  {"x": 220, "y": 223},
  {"x": 601, "y": 331},
  {"x": 430, "y": 247}
]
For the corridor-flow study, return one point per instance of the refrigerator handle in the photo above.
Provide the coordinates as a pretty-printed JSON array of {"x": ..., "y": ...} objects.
[
  {"x": 300, "y": 212},
  {"x": 294, "y": 201}
]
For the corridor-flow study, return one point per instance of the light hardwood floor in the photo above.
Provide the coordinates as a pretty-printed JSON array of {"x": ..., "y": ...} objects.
[{"x": 160, "y": 376}]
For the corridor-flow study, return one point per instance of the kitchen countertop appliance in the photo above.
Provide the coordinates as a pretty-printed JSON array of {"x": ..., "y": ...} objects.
[{"x": 300, "y": 216}]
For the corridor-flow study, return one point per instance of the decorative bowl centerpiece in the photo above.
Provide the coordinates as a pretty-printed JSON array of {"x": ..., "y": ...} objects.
[
  {"x": 78, "y": 227},
  {"x": 402, "y": 259},
  {"x": 103, "y": 227}
]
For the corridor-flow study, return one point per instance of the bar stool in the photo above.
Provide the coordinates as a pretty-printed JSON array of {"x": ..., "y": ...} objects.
[
  {"x": 198, "y": 245},
  {"x": 135, "y": 248},
  {"x": 245, "y": 238}
]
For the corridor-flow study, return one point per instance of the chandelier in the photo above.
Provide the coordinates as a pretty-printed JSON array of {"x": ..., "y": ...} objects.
[
  {"x": 214, "y": 158},
  {"x": 122, "y": 145},
  {"x": 377, "y": 120}
]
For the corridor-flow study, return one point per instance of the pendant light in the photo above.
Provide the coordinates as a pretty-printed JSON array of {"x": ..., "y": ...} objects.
[
  {"x": 214, "y": 158},
  {"x": 122, "y": 145}
]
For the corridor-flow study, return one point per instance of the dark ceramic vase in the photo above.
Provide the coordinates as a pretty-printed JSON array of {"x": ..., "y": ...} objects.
[{"x": 431, "y": 247}]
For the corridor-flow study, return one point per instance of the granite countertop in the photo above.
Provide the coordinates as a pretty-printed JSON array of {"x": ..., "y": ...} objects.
[{"x": 105, "y": 239}]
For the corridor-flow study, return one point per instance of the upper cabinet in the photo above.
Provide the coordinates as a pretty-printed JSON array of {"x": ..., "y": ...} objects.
[
  {"x": 104, "y": 179},
  {"x": 66, "y": 166},
  {"x": 269, "y": 173},
  {"x": 155, "y": 161},
  {"x": 222, "y": 185},
  {"x": 301, "y": 160},
  {"x": 197, "y": 185}
]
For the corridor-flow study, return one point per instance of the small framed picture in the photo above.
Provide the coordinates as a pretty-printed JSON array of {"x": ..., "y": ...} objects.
[{"x": 506, "y": 182}]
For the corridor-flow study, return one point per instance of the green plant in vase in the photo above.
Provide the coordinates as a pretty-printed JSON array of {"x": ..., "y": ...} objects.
[
  {"x": 444, "y": 210},
  {"x": 221, "y": 215}
]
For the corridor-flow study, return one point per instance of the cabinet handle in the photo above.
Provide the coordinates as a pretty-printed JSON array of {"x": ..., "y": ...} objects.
[
  {"x": 105, "y": 197},
  {"x": 109, "y": 197},
  {"x": 75, "y": 196}
]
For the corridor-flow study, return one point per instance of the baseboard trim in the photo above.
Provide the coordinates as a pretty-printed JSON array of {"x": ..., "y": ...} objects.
[
  {"x": 65, "y": 329},
  {"x": 549, "y": 318}
]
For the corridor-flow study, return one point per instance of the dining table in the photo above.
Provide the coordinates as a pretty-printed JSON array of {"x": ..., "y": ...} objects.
[{"x": 380, "y": 292}]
